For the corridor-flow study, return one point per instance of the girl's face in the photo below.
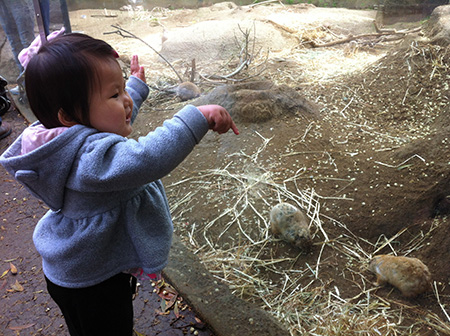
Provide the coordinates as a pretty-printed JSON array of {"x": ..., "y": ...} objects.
[{"x": 110, "y": 106}]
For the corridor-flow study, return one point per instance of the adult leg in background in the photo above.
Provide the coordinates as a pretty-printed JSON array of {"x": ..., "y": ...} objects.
[{"x": 17, "y": 20}]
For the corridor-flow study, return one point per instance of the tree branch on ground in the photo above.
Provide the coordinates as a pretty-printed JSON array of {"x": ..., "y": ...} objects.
[
  {"x": 245, "y": 58},
  {"x": 380, "y": 32},
  {"x": 121, "y": 32}
]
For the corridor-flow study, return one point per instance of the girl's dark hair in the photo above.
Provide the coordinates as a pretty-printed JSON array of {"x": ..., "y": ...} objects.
[{"x": 62, "y": 75}]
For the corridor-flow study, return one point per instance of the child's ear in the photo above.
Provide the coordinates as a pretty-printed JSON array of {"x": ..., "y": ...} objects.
[{"x": 64, "y": 119}]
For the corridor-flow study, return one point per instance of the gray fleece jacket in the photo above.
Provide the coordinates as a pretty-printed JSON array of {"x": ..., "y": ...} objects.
[{"x": 109, "y": 211}]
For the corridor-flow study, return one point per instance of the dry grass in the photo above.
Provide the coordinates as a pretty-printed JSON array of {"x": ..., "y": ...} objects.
[
  {"x": 237, "y": 248},
  {"x": 303, "y": 299}
]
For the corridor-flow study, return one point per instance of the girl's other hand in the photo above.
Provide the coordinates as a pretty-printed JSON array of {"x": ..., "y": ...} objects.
[
  {"x": 218, "y": 118},
  {"x": 137, "y": 70}
]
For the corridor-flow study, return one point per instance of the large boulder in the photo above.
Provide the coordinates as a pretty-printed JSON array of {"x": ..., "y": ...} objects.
[
  {"x": 221, "y": 39},
  {"x": 438, "y": 26}
]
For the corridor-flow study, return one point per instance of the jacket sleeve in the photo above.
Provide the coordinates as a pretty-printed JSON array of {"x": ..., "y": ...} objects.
[
  {"x": 138, "y": 91},
  {"x": 110, "y": 162}
]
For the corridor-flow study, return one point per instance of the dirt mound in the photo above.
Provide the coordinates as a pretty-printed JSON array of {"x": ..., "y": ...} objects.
[
  {"x": 400, "y": 116},
  {"x": 400, "y": 110},
  {"x": 259, "y": 101}
]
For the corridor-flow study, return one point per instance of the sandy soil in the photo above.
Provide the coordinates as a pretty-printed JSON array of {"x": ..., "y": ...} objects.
[{"x": 371, "y": 169}]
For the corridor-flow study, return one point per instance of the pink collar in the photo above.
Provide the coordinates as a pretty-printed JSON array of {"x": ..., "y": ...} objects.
[{"x": 36, "y": 136}]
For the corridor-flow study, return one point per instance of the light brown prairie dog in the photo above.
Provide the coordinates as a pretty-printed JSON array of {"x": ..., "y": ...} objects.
[
  {"x": 410, "y": 275},
  {"x": 184, "y": 91},
  {"x": 291, "y": 224},
  {"x": 187, "y": 90}
]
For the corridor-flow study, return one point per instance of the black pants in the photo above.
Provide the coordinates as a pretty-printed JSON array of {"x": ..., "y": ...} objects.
[{"x": 104, "y": 309}]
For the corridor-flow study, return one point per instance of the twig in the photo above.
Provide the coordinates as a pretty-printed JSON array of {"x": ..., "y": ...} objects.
[
  {"x": 404, "y": 97},
  {"x": 193, "y": 70},
  {"x": 401, "y": 164},
  {"x": 283, "y": 27},
  {"x": 345, "y": 107},
  {"x": 264, "y": 3},
  {"x": 211, "y": 78},
  {"x": 245, "y": 61},
  {"x": 388, "y": 242},
  {"x": 439, "y": 300},
  {"x": 355, "y": 37},
  {"x": 394, "y": 31},
  {"x": 131, "y": 35},
  {"x": 344, "y": 40}
]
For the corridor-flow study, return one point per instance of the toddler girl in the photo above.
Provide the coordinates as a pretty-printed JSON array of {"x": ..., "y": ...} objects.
[{"x": 108, "y": 210}]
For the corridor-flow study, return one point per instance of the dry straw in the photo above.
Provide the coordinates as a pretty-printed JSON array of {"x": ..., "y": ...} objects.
[
  {"x": 237, "y": 249},
  {"x": 236, "y": 245}
]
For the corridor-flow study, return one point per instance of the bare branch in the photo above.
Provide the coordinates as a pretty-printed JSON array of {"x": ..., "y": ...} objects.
[
  {"x": 380, "y": 32},
  {"x": 120, "y": 31}
]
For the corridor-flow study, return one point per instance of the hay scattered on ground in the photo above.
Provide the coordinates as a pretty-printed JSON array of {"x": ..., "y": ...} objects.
[
  {"x": 301, "y": 295},
  {"x": 302, "y": 298},
  {"x": 236, "y": 245}
]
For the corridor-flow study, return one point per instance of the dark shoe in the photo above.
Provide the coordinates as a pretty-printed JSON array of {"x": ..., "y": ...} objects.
[
  {"x": 5, "y": 130},
  {"x": 5, "y": 103}
]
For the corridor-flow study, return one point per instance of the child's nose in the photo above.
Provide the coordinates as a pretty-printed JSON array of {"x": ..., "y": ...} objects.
[{"x": 127, "y": 100}]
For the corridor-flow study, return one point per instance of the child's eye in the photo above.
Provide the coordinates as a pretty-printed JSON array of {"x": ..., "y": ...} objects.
[{"x": 115, "y": 95}]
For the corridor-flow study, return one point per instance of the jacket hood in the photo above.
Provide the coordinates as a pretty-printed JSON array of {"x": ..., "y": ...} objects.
[{"x": 45, "y": 170}]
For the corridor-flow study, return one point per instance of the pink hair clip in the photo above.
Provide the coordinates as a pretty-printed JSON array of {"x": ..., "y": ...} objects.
[
  {"x": 27, "y": 54},
  {"x": 115, "y": 54}
]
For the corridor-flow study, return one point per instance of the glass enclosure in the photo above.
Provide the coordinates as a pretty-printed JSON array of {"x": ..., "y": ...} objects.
[{"x": 343, "y": 112}]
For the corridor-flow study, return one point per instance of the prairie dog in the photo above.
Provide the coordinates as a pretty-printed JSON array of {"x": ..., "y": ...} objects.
[
  {"x": 187, "y": 91},
  {"x": 410, "y": 275},
  {"x": 291, "y": 224}
]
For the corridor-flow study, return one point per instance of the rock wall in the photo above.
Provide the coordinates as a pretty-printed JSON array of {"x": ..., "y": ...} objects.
[{"x": 407, "y": 10}]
